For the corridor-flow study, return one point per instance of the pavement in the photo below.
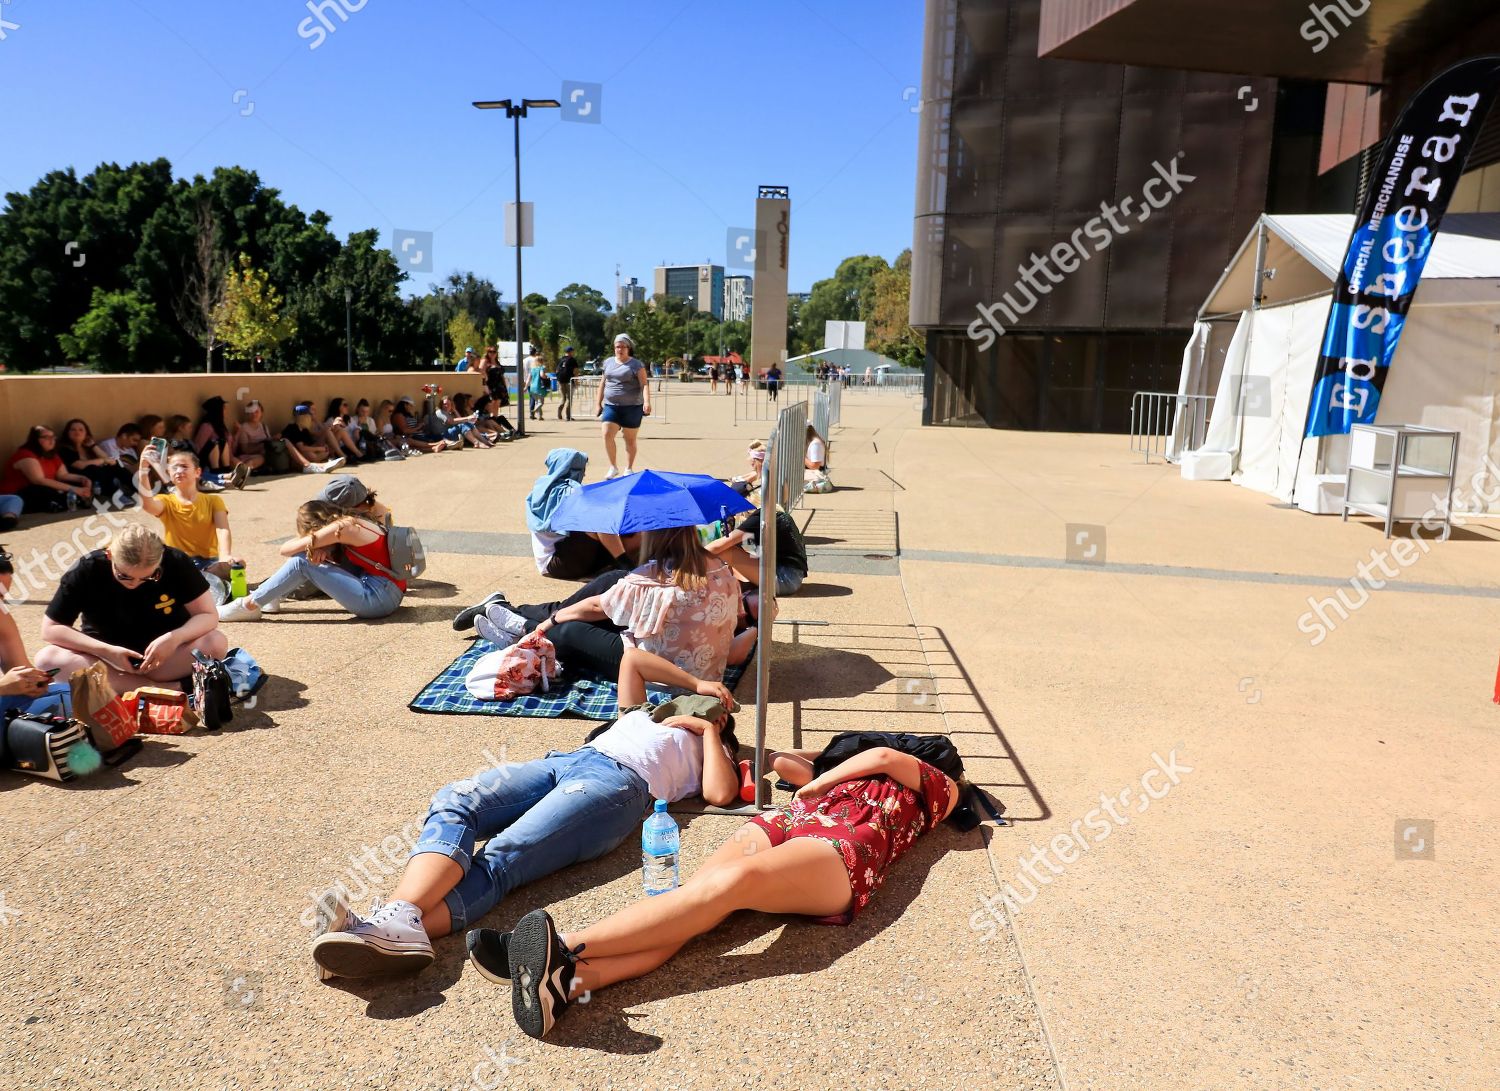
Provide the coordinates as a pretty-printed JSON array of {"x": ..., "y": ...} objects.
[{"x": 1291, "y": 885}]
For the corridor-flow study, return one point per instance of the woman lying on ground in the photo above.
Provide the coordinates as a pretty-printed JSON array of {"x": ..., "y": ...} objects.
[
  {"x": 574, "y": 554},
  {"x": 37, "y": 475},
  {"x": 681, "y": 604},
  {"x": 741, "y": 549},
  {"x": 822, "y": 857},
  {"x": 344, "y": 555},
  {"x": 192, "y": 521},
  {"x": 539, "y": 817},
  {"x": 81, "y": 454},
  {"x": 145, "y": 609}
]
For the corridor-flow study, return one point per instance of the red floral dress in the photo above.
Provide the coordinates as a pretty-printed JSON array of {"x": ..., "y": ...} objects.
[{"x": 872, "y": 821}]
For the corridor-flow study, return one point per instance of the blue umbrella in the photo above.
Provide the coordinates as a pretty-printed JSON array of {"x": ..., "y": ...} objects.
[{"x": 648, "y": 501}]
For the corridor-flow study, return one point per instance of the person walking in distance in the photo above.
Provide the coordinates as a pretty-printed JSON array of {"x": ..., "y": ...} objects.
[
  {"x": 624, "y": 400},
  {"x": 567, "y": 368}
]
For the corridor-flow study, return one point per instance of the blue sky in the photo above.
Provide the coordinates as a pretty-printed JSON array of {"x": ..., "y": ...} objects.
[{"x": 701, "y": 102}]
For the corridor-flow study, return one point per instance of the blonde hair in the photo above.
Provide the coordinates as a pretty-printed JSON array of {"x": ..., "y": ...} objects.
[
  {"x": 678, "y": 555},
  {"x": 136, "y": 546}
]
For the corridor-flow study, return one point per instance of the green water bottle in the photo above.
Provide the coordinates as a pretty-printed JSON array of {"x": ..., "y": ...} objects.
[{"x": 237, "y": 588}]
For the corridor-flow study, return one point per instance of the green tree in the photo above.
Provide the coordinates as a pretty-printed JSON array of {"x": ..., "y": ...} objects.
[
  {"x": 461, "y": 335},
  {"x": 889, "y": 331},
  {"x": 120, "y": 332},
  {"x": 250, "y": 318}
]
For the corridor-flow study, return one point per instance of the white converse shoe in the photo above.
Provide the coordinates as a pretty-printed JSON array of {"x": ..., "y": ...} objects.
[
  {"x": 391, "y": 941},
  {"x": 240, "y": 610},
  {"x": 332, "y": 915}
]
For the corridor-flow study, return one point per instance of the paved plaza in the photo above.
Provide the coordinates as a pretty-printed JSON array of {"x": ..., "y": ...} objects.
[{"x": 1251, "y": 909}]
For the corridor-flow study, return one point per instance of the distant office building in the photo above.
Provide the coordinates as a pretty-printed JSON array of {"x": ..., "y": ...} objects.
[
  {"x": 633, "y": 291},
  {"x": 739, "y": 298},
  {"x": 701, "y": 285},
  {"x": 800, "y": 297}
]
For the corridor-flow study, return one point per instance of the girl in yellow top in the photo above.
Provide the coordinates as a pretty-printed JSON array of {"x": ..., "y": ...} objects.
[{"x": 196, "y": 523}]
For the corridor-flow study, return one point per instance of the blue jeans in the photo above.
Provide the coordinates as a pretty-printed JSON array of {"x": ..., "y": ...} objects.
[
  {"x": 540, "y": 817},
  {"x": 57, "y": 700},
  {"x": 11, "y": 505},
  {"x": 363, "y": 594}
]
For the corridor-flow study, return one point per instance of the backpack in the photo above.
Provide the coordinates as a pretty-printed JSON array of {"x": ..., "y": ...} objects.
[
  {"x": 936, "y": 750},
  {"x": 408, "y": 557},
  {"x": 527, "y": 666}
]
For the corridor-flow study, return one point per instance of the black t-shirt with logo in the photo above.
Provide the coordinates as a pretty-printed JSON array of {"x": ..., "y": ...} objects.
[{"x": 128, "y": 617}]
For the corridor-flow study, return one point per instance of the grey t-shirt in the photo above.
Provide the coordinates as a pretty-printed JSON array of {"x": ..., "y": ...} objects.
[{"x": 624, "y": 383}]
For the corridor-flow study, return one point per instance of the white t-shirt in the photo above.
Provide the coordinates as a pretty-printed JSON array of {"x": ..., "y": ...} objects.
[
  {"x": 543, "y": 545},
  {"x": 816, "y": 452},
  {"x": 668, "y": 759}
]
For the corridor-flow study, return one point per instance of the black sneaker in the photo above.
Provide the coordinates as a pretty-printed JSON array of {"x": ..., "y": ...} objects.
[
  {"x": 489, "y": 952},
  {"x": 541, "y": 973},
  {"x": 464, "y": 619},
  {"x": 211, "y": 690}
]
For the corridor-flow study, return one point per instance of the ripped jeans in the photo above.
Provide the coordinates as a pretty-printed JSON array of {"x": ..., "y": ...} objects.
[{"x": 539, "y": 816}]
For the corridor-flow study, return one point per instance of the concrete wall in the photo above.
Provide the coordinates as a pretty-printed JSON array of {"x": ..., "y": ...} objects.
[{"x": 108, "y": 401}]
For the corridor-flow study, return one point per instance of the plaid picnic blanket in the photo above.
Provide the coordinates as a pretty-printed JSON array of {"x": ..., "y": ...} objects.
[{"x": 591, "y": 698}]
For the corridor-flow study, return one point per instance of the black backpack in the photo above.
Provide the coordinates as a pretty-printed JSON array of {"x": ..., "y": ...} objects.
[{"x": 937, "y": 751}]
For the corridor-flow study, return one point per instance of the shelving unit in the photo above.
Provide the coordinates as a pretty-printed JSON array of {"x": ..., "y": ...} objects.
[{"x": 1400, "y": 473}]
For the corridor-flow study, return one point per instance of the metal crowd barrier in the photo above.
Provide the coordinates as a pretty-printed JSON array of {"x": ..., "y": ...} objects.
[
  {"x": 1155, "y": 418},
  {"x": 753, "y": 402},
  {"x": 586, "y": 394}
]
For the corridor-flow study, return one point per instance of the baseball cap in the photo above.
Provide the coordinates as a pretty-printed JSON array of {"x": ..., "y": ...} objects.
[{"x": 345, "y": 490}]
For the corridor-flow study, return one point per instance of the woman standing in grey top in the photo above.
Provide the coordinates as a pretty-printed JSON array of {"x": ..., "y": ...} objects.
[{"x": 624, "y": 399}]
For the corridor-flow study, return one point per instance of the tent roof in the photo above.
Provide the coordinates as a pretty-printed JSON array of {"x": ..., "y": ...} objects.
[
  {"x": 857, "y": 359},
  {"x": 1306, "y": 252}
]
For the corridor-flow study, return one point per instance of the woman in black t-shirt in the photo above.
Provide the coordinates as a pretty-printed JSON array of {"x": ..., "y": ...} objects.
[{"x": 144, "y": 607}]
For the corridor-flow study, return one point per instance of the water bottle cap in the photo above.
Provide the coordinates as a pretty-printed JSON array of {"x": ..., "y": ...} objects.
[{"x": 661, "y": 806}]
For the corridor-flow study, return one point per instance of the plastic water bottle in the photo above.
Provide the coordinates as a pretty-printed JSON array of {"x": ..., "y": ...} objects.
[
  {"x": 659, "y": 851},
  {"x": 72, "y": 500},
  {"x": 237, "y": 586}
]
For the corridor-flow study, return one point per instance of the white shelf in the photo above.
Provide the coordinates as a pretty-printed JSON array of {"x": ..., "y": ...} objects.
[{"x": 1400, "y": 472}]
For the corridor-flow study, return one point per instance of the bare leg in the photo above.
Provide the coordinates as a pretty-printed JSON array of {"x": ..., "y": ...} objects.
[
  {"x": 180, "y": 664},
  {"x": 794, "y": 766},
  {"x": 630, "y": 434},
  {"x": 803, "y": 876},
  {"x": 428, "y": 878},
  {"x": 610, "y": 431},
  {"x": 67, "y": 661}
]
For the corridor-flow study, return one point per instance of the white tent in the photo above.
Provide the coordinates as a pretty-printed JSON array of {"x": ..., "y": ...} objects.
[{"x": 1260, "y": 355}]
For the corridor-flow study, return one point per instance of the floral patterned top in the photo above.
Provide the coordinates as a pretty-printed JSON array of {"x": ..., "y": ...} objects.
[
  {"x": 872, "y": 821},
  {"x": 692, "y": 629}
]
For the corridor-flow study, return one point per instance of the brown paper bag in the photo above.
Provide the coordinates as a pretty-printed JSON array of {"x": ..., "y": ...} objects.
[{"x": 111, "y": 720}]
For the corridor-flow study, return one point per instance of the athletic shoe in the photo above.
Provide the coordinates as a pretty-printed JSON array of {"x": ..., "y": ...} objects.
[
  {"x": 614, "y": 471},
  {"x": 332, "y": 914},
  {"x": 500, "y": 616},
  {"x": 331, "y": 465},
  {"x": 392, "y": 941},
  {"x": 464, "y": 619},
  {"x": 541, "y": 973},
  {"x": 394, "y": 455},
  {"x": 210, "y": 486},
  {"x": 211, "y": 690},
  {"x": 239, "y": 476},
  {"x": 271, "y": 607},
  {"x": 489, "y": 952},
  {"x": 239, "y": 610},
  {"x": 497, "y": 636}
]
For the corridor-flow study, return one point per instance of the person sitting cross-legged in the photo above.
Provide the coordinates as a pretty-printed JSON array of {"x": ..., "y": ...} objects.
[
  {"x": 539, "y": 817},
  {"x": 145, "y": 609}
]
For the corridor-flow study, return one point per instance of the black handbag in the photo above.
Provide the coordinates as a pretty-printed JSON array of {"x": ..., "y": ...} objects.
[{"x": 46, "y": 746}]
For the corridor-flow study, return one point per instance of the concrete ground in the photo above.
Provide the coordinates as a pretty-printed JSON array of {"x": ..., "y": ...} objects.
[{"x": 1306, "y": 901}]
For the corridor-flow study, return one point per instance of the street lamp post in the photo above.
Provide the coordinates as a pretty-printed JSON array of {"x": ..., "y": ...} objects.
[
  {"x": 517, "y": 111},
  {"x": 348, "y": 329}
]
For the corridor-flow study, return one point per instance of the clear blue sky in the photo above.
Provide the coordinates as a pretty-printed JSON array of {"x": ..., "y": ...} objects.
[{"x": 701, "y": 102}]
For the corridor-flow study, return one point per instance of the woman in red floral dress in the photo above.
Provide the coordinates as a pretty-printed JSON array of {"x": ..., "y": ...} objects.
[{"x": 822, "y": 857}]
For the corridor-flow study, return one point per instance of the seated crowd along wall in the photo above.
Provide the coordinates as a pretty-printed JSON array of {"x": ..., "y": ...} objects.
[{"x": 108, "y": 401}]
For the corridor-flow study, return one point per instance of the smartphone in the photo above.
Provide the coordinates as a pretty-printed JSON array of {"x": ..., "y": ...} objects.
[
  {"x": 52, "y": 672},
  {"x": 159, "y": 447}
]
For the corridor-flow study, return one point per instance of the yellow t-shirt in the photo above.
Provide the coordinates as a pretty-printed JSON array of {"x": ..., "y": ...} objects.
[{"x": 190, "y": 526}]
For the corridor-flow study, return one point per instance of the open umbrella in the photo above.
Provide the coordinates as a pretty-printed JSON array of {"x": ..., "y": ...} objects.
[{"x": 648, "y": 501}]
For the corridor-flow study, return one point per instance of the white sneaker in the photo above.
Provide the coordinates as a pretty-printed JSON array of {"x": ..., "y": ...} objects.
[
  {"x": 240, "y": 610},
  {"x": 497, "y": 636},
  {"x": 614, "y": 471},
  {"x": 332, "y": 914},
  {"x": 271, "y": 607},
  {"x": 391, "y": 941},
  {"x": 500, "y": 625}
]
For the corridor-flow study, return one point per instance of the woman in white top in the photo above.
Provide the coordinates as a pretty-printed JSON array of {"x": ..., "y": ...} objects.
[{"x": 538, "y": 817}]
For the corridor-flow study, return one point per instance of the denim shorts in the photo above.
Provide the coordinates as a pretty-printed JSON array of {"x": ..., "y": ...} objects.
[{"x": 626, "y": 416}]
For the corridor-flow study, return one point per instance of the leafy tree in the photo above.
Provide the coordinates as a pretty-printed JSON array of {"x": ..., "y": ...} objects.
[
  {"x": 250, "y": 317},
  {"x": 889, "y": 330},
  {"x": 120, "y": 333},
  {"x": 462, "y": 335},
  {"x": 197, "y": 305},
  {"x": 581, "y": 295}
]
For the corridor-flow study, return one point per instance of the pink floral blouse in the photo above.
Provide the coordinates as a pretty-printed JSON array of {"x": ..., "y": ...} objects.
[{"x": 692, "y": 629}]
